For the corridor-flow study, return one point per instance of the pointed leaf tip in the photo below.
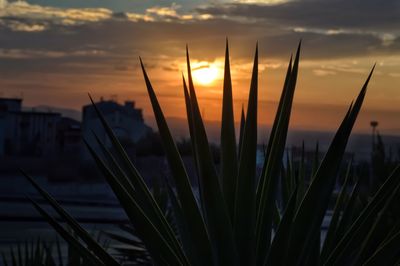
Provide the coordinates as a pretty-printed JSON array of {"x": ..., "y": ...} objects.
[
  {"x": 298, "y": 51},
  {"x": 299, "y": 45},
  {"x": 188, "y": 62},
  {"x": 364, "y": 88},
  {"x": 372, "y": 70},
  {"x": 187, "y": 51},
  {"x": 142, "y": 65}
]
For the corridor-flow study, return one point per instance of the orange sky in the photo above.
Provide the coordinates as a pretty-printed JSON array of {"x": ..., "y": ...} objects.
[{"x": 55, "y": 55}]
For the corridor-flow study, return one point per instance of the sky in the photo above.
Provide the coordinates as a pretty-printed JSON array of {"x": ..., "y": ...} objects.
[{"x": 55, "y": 52}]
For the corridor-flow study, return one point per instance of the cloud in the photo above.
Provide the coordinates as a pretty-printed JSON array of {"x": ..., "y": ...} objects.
[
  {"x": 22, "y": 16},
  {"x": 386, "y": 38},
  {"x": 321, "y": 17},
  {"x": 164, "y": 11},
  {"x": 286, "y": 21},
  {"x": 395, "y": 75},
  {"x": 167, "y": 14},
  {"x": 324, "y": 13},
  {"x": 34, "y": 54},
  {"x": 261, "y": 2},
  {"x": 322, "y": 72},
  {"x": 16, "y": 25}
]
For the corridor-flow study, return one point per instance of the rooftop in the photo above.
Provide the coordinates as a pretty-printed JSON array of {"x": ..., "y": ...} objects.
[
  {"x": 10, "y": 99},
  {"x": 35, "y": 113},
  {"x": 111, "y": 106}
]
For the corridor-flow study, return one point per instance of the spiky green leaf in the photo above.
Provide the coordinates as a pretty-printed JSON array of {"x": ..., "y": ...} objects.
[
  {"x": 216, "y": 212},
  {"x": 245, "y": 202},
  {"x": 196, "y": 226},
  {"x": 229, "y": 159}
]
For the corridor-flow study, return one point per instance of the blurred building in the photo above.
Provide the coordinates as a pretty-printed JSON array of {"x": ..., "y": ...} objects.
[
  {"x": 125, "y": 120},
  {"x": 32, "y": 133},
  {"x": 35, "y": 132},
  {"x": 68, "y": 136},
  {"x": 7, "y": 127}
]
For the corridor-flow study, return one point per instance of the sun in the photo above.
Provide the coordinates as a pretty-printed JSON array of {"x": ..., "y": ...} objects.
[{"x": 206, "y": 75}]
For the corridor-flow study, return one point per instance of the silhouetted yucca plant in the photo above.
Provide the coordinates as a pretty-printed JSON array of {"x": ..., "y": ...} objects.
[
  {"x": 29, "y": 254},
  {"x": 41, "y": 253},
  {"x": 236, "y": 219}
]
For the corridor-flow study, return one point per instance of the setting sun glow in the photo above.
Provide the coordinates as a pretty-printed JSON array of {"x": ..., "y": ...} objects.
[{"x": 206, "y": 75}]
